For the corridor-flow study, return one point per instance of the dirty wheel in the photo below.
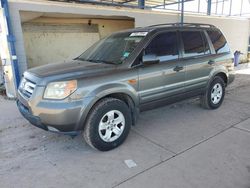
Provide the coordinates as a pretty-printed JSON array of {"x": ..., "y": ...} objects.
[
  {"x": 214, "y": 95},
  {"x": 108, "y": 124}
]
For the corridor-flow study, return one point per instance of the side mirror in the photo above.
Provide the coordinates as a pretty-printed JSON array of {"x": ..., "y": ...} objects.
[{"x": 150, "y": 59}]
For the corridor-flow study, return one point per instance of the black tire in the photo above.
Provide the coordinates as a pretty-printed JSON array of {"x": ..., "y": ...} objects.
[
  {"x": 91, "y": 130},
  {"x": 206, "y": 99}
]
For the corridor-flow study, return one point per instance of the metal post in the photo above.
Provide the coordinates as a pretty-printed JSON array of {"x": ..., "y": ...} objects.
[
  {"x": 182, "y": 12},
  {"x": 230, "y": 9},
  {"x": 209, "y": 6},
  {"x": 199, "y": 4},
  {"x": 141, "y": 4},
  {"x": 241, "y": 6},
  {"x": 223, "y": 4},
  {"x": 11, "y": 41},
  {"x": 216, "y": 9}
]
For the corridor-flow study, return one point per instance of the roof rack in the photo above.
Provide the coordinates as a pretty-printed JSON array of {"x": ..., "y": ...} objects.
[{"x": 184, "y": 24}]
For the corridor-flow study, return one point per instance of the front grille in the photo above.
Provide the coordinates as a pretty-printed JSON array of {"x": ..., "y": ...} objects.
[{"x": 27, "y": 87}]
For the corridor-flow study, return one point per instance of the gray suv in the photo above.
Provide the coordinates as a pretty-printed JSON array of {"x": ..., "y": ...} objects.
[{"x": 101, "y": 92}]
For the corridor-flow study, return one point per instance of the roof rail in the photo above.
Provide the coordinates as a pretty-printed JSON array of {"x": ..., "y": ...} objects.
[{"x": 184, "y": 24}]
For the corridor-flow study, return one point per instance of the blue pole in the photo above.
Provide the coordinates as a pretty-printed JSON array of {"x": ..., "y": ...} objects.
[
  {"x": 209, "y": 7},
  {"x": 182, "y": 12},
  {"x": 141, "y": 4},
  {"x": 11, "y": 40}
]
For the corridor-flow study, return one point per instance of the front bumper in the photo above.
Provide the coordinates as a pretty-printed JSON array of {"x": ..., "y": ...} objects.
[{"x": 36, "y": 121}]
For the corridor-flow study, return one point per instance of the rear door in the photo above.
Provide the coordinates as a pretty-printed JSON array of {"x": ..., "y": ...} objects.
[
  {"x": 220, "y": 47},
  {"x": 196, "y": 57},
  {"x": 166, "y": 78}
]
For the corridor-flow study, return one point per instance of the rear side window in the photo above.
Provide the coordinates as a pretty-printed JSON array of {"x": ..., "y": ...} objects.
[
  {"x": 219, "y": 42},
  {"x": 194, "y": 44},
  {"x": 206, "y": 45},
  {"x": 164, "y": 46}
]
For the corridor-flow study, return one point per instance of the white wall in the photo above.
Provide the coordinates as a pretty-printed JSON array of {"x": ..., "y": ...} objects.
[
  {"x": 48, "y": 43},
  {"x": 51, "y": 40}
]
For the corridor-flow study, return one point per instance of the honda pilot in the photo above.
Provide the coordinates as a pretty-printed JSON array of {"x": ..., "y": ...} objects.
[{"x": 101, "y": 93}]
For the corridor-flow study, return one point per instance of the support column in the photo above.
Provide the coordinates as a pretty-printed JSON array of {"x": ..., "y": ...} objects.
[
  {"x": 141, "y": 4},
  {"x": 209, "y": 7},
  {"x": 7, "y": 51},
  {"x": 182, "y": 12}
]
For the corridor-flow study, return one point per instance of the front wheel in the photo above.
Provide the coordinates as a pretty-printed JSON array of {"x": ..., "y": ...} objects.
[
  {"x": 214, "y": 94},
  {"x": 108, "y": 124}
]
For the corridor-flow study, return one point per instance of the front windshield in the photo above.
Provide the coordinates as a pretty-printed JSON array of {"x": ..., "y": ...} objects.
[{"x": 113, "y": 49}]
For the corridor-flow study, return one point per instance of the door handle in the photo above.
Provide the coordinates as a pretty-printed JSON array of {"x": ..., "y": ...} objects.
[
  {"x": 178, "y": 68},
  {"x": 211, "y": 62}
]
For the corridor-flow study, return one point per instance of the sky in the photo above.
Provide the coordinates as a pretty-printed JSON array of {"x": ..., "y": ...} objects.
[{"x": 221, "y": 10}]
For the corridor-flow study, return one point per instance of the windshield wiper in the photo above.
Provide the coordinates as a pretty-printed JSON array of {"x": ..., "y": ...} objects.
[{"x": 96, "y": 61}]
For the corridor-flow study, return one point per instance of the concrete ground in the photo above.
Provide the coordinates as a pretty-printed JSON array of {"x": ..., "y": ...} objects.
[{"x": 177, "y": 146}]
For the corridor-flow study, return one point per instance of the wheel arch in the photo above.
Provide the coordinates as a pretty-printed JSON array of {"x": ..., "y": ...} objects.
[
  {"x": 129, "y": 101},
  {"x": 221, "y": 72},
  {"x": 223, "y": 75},
  {"x": 125, "y": 94}
]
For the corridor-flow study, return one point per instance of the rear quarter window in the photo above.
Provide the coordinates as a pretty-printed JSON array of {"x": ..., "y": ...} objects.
[
  {"x": 194, "y": 44},
  {"x": 219, "y": 42}
]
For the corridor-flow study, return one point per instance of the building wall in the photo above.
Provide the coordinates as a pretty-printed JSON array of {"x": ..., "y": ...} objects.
[
  {"x": 236, "y": 30},
  {"x": 50, "y": 40},
  {"x": 52, "y": 43}
]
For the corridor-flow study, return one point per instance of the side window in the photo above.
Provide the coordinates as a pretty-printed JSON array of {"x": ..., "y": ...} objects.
[
  {"x": 219, "y": 41},
  {"x": 206, "y": 45},
  {"x": 164, "y": 46},
  {"x": 193, "y": 43}
]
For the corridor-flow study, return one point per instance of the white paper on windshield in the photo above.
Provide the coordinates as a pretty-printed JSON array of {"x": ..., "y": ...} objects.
[{"x": 138, "y": 34}]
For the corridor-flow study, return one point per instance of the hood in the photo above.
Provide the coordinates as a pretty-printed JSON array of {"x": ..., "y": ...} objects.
[{"x": 73, "y": 67}]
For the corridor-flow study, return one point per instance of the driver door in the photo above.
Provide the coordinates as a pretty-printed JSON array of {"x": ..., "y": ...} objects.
[{"x": 159, "y": 81}]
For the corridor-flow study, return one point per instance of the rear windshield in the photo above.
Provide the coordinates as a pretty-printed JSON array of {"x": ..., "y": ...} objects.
[{"x": 219, "y": 42}]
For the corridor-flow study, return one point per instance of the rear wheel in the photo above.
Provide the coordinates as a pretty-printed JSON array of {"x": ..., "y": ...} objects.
[
  {"x": 214, "y": 95},
  {"x": 108, "y": 124}
]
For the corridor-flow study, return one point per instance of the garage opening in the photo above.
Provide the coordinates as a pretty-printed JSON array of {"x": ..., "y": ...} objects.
[{"x": 50, "y": 39}]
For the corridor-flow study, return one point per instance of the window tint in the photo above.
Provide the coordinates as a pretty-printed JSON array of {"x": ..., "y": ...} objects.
[
  {"x": 193, "y": 43},
  {"x": 206, "y": 45},
  {"x": 164, "y": 46},
  {"x": 219, "y": 41}
]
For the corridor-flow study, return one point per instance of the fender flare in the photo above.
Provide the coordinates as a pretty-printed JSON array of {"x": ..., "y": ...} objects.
[{"x": 104, "y": 91}]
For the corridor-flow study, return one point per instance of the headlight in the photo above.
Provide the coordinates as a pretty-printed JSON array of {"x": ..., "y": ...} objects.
[{"x": 60, "y": 90}]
